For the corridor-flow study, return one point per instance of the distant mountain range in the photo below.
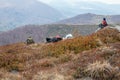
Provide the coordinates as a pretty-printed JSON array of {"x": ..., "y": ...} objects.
[
  {"x": 39, "y": 33},
  {"x": 75, "y": 7},
  {"x": 90, "y": 18},
  {"x": 14, "y": 13}
]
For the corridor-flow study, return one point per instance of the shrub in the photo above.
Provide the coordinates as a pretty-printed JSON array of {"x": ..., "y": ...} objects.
[
  {"x": 47, "y": 63},
  {"x": 11, "y": 62},
  {"x": 64, "y": 58},
  {"x": 102, "y": 71},
  {"x": 118, "y": 35},
  {"x": 75, "y": 45},
  {"x": 108, "y": 52},
  {"x": 79, "y": 73},
  {"x": 108, "y": 35}
]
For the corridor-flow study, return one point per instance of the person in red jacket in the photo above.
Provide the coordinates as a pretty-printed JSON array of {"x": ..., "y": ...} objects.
[{"x": 103, "y": 24}]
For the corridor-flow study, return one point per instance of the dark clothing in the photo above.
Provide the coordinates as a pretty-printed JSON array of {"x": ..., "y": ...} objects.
[
  {"x": 101, "y": 26},
  {"x": 54, "y": 39}
]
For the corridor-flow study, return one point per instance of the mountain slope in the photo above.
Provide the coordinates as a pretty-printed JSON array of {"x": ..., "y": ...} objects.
[
  {"x": 90, "y": 18},
  {"x": 39, "y": 33},
  {"x": 80, "y": 58},
  {"x": 14, "y": 13}
]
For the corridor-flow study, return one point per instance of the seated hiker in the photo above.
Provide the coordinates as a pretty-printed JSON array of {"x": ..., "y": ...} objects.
[
  {"x": 54, "y": 39},
  {"x": 58, "y": 37},
  {"x": 103, "y": 24},
  {"x": 30, "y": 40},
  {"x": 49, "y": 40}
]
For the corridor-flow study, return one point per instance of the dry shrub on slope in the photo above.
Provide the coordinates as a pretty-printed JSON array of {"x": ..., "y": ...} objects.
[
  {"x": 102, "y": 71},
  {"x": 108, "y": 35},
  {"x": 75, "y": 45}
]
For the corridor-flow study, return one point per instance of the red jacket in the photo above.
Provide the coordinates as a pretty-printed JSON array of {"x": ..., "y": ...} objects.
[{"x": 104, "y": 23}]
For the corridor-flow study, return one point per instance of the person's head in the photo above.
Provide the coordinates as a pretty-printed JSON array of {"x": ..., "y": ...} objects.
[
  {"x": 104, "y": 18},
  {"x": 57, "y": 36}
]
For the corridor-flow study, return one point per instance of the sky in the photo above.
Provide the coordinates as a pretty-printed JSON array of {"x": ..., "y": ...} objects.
[
  {"x": 75, "y": 7},
  {"x": 71, "y": 8},
  {"x": 73, "y": 2}
]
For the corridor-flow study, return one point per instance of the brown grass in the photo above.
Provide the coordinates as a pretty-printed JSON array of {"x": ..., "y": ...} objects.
[
  {"x": 48, "y": 76},
  {"x": 64, "y": 58},
  {"x": 108, "y": 35},
  {"x": 76, "y": 45},
  {"x": 102, "y": 71}
]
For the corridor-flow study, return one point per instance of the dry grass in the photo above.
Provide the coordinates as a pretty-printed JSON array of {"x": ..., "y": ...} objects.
[
  {"x": 48, "y": 76},
  {"x": 82, "y": 43},
  {"x": 75, "y": 45},
  {"x": 108, "y": 52},
  {"x": 102, "y": 71},
  {"x": 65, "y": 56},
  {"x": 10, "y": 76},
  {"x": 108, "y": 35}
]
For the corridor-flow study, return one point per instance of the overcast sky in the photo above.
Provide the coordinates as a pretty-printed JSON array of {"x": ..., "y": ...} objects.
[
  {"x": 78, "y": 1},
  {"x": 75, "y": 7}
]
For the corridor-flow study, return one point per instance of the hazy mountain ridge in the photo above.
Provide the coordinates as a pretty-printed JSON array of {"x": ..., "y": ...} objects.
[
  {"x": 90, "y": 18},
  {"x": 30, "y": 12},
  {"x": 39, "y": 33},
  {"x": 84, "y": 24},
  {"x": 21, "y": 34}
]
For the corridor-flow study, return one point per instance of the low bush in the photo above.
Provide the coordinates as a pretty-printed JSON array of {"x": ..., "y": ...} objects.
[
  {"x": 108, "y": 35},
  {"x": 102, "y": 71}
]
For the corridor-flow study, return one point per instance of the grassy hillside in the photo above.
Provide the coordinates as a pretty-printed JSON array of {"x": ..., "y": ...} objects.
[{"x": 95, "y": 56}]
